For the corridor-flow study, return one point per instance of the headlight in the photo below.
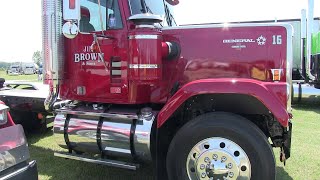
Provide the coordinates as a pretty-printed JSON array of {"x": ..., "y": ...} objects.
[{"x": 3, "y": 114}]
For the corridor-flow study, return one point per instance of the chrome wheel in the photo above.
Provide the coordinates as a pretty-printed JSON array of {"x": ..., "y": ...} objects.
[{"x": 218, "y": 159}]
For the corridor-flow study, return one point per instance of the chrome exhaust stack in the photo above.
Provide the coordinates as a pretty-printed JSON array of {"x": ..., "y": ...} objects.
[
  {"x": 309, "y": 36},
  {"x": 52, "y": 48}
]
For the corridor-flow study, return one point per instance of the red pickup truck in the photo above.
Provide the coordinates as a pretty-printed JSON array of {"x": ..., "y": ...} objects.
[{"x": 14, "y": 153}]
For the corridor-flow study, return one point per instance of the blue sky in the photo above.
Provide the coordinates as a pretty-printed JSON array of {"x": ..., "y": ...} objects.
[{"x": 20, "y": 32}]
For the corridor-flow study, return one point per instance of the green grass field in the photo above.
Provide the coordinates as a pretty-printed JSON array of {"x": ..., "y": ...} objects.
[
  {"x": 303, "y": 164},
  {"x": 32, "y": 77}
]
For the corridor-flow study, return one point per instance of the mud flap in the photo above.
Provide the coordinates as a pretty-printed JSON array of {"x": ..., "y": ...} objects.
[{"x": 287, "y": 141}]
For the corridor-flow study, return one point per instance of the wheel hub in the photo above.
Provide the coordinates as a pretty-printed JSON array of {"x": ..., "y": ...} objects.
[{"x": 218, "y": 159}]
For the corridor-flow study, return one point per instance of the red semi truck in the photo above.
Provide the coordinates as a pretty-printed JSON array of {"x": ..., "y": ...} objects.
[{"x": 196, "y": 101}]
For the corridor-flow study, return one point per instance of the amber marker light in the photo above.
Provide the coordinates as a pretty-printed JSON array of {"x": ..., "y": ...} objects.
[
  {"x": 72, "y": 4},
  {"x": 276, "y": 74}
]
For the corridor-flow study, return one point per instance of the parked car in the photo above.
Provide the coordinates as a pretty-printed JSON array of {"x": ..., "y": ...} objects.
[
  {"x": 14, "y": 153},
  {"x": 26, "y": 102}
]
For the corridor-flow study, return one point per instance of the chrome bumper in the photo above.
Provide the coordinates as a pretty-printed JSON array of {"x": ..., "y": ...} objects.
[{"x": 29, "y": 172}]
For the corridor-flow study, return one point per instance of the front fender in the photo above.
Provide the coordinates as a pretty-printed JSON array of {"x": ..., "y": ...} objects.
[{"x": 271, "y": 94}]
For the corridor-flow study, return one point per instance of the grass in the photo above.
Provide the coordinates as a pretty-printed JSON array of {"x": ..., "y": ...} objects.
[
  {"x": 31, "y": 77},
  {"x": 303, "y": 164}
]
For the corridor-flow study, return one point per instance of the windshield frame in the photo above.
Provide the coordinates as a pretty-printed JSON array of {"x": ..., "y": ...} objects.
[{"x": 145, "y": 8}]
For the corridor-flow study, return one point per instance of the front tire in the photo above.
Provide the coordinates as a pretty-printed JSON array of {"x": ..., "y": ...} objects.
[{"x": 220, "y": 145}]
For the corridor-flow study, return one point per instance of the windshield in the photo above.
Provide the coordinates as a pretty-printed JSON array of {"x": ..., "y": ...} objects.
[
  {"x": 90, "y": 17},
  {"x": 157, "y": 7}
]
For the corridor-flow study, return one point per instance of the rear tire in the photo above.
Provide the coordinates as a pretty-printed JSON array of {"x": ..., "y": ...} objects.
[{"x": 236, "y": 133}]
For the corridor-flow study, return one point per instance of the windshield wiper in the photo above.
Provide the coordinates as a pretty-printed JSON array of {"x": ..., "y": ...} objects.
[
  {"x": 169, "y": 17},
  {"x": 146, "y": 9},
  {"x": 143, "y": 5}
]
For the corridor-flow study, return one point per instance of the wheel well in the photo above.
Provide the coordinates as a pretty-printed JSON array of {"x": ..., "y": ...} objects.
[{"x": 241, "y": 104}]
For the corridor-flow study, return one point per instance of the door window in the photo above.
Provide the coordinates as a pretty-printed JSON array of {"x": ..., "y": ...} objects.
[{"x": 90, "y": 15}]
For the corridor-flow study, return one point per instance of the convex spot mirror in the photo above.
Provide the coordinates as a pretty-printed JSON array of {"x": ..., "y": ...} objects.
[{"x": 70, "y": 30}]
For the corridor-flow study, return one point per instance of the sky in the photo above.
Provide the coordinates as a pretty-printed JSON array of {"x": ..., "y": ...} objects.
[
  {"x": 239, "y": 10},
  {"x": 20, "y": 30}
]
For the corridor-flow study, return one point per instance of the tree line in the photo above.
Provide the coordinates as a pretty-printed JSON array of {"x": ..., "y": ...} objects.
[{"x": 36, "y": 58}]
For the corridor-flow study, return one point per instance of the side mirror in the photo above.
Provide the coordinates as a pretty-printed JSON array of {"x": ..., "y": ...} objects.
[
  {"x": 71, "y": 14},
  {"x": 71, "y": 10}
]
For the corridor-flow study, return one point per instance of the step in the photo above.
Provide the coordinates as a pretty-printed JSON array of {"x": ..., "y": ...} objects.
[{"x": 106, "y": 162}]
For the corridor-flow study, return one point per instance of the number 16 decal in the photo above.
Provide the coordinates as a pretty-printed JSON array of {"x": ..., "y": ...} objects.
[{"x": 276, "y": 39}]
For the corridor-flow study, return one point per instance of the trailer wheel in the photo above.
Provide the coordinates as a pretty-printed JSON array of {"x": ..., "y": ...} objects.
[{"x": 220, "y": 146}]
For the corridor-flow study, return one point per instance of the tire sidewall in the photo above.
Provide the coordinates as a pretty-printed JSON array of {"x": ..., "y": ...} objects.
[{"x": 223, "y": 125}]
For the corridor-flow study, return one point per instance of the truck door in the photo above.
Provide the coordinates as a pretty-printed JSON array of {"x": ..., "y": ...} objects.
[{"x": 94, "y": 59}]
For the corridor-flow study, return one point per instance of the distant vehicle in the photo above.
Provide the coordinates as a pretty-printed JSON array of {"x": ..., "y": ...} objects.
[
  {"x": 14, "y": 70},
  {"x": 29, "y": 70}
]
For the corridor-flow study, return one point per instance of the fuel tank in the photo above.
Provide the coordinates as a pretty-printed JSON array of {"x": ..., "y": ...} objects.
[{"x": 112, "y": 134}]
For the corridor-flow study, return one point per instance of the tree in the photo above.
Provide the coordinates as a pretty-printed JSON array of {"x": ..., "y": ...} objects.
[{"x": 36, "y": 57}]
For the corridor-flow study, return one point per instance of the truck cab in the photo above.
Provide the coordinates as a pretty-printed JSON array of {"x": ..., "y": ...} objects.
[{"x": 195, "y": 101}]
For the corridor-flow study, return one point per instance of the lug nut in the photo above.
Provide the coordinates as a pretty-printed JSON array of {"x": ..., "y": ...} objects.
[
  {"x": 231, "y": 174},
  {"x": 207, "y": 160},
  {"x": 203, "y": 175},
  {"x": 215, "y": 157},
  {"x": 202, "y": 166},
  {"x": 223, "y": 159},
  {"x": 229, "y": 165}
]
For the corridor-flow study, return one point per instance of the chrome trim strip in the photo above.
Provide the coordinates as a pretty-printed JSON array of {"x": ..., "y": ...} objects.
[
  {"x": 144, "y": 37},
  {"x": 225, "y": 25},
  {"x": 106, "y": 115},
  {"x": 118, "y": 150},
  {"x": 16, "y": 172},
  {"x": 116, "y": 72},
  {"x": 106, "y": 162},
  {"x": 290, "y": 34},
  {"x": 130, "y": 6},
  {"x": 143, "y": 66},
  {"x": 145, "y": 26},
  {"x": 116, "y": 64}
]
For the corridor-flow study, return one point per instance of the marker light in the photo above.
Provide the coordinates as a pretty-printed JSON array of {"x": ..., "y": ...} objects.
[{"x": 72, "y": 4}]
